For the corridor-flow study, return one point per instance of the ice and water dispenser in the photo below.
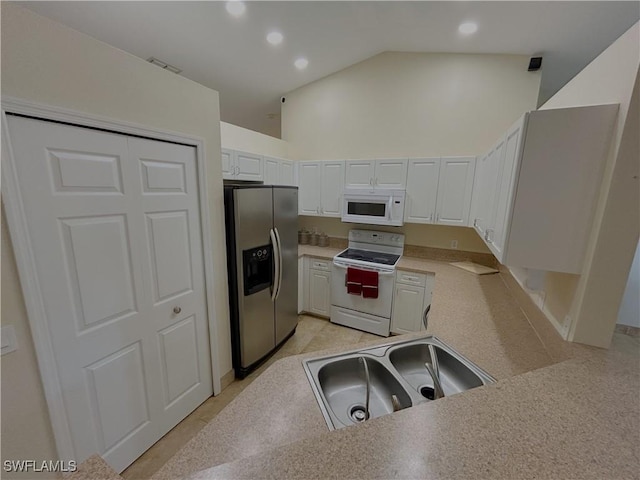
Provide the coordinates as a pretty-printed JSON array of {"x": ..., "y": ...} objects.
[{"x": 258, "y": 269}]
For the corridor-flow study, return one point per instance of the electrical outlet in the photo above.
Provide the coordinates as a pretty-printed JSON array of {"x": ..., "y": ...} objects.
[{"x": 454, "y": 243}]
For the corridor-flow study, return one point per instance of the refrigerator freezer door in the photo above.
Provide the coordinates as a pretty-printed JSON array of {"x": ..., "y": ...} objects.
[
  {"x": 285, "y": 221},
  {"x": 253, "y": 221}
]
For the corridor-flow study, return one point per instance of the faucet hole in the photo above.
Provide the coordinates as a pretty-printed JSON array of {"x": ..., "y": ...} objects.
[{"x": 427, "y": 392}]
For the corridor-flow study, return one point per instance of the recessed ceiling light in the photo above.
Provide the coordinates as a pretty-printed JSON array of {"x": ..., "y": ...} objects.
[
  {"x": 468, "y": 28},
  {"x": 275, "y": 38},
  {"x": 301, "y": 63},
  {"x": 236, "y": 7}
]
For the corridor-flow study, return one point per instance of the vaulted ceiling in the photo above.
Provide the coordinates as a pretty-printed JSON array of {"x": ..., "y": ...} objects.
[{"x": 230, "y": 54}]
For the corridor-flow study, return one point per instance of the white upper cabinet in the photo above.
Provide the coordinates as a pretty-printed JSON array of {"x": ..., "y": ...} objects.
[
  {"x": 287, "y": 172},
  {"x": 271, "y": 171},
  {"x": 241, "y": 165},
  {"x": 278, "y": 171},
  {"x": 391, "y": 173},
  {"x": 249, "y": 166},
  {"x": 548, "y": 185},
  {"x": 422, "y": 190},
  {"x": 455, "y": 186},
  {"x": 497, "y": 233},
  {"x": 487, "y": 183},
  {"x": 228, "y": 165},
  {"x": 360, "y": 173},
  {"x": 380, "y": 173},
  {"x": 309, "y": 188},
  {"x": 320, "y": 188},
  {"x": 331, "y": 186}
]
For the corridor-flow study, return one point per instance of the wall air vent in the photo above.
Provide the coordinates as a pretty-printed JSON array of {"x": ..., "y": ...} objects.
[{"x": 164, "y": 65}]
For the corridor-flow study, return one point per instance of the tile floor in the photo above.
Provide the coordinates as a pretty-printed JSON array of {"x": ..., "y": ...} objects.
[{"x": 312, "y": 334}]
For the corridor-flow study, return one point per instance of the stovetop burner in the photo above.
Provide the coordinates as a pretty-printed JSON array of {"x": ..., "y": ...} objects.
[{"x": 369, "y": 256}]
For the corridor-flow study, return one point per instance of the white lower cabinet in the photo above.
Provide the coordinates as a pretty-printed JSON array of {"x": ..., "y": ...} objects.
[
  {"x": 411, "y": 297},
  {"x": 318, "y": 287}
]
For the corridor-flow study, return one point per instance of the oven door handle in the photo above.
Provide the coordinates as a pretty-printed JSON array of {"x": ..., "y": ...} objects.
[{"x": 340, "y": 265}]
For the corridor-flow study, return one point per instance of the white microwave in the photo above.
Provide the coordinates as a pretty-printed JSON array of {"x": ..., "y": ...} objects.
[{"x": 382, "y": 207}]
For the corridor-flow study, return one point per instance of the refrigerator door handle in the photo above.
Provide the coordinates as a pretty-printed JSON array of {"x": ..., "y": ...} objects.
[
  {"x": 280, "y": 260},
  {"x": 277, "y": 263}
]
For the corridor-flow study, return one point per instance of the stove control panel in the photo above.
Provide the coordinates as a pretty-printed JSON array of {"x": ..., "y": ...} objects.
[{"x": 378, "y": 238}]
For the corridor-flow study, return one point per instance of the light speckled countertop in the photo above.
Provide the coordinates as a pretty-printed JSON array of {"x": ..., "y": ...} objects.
[{"x": 575, "y": 419}]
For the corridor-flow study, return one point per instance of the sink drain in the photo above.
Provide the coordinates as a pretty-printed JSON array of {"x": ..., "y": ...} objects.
[
  {"x": 427, "y": 392},
  {"x": 358, "y": 413}
]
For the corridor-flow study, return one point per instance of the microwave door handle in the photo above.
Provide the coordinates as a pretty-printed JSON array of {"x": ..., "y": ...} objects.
[{"x": 389, "y": 205}]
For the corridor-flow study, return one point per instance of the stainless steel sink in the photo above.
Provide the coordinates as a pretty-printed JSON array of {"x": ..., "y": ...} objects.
[
  {"x": 396, "y": 369},
  {"x": 344, "y": 388}
]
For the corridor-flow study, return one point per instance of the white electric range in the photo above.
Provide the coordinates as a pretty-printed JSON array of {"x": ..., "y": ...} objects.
[{"x": 370, "y": 251}]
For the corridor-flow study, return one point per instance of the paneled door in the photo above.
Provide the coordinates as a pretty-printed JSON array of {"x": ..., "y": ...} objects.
[{"x": 114, "y": 226}]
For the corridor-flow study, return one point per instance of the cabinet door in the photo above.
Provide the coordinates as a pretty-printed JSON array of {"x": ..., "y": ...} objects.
[
  {"x": 455, "y": 186},
  {"x": 391, "y": 173},
  {"x": 512, "y": 147},
  {"x": 407, "y": 308},
  {"x": 287, "y": 176},
  {"x": 478, "y": 198},
  {"x": 493, "y": 176},
  {"x": 249, "y": 166},
  {"x": 271, "y": 171},
  {"x": 319, "y": 292},
  {"x": 332, "y": 186},
  {"x": 228, "y": 163},
  {"x": 422, "y": 190},
  {"x": 359, "y": 174},
  {"x": 309, "y": 188}
]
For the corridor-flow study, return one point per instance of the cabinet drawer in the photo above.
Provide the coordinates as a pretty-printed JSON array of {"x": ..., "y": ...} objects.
[
  {"x": 319, "y": 264},
  {"x": 411, "y": 278}
]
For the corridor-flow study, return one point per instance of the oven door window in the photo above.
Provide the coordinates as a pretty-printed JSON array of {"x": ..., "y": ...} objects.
[{"x": 370, "y": 209}]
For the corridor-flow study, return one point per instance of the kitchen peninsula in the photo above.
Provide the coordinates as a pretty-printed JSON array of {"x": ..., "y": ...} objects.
[{"x": 572, "y": 408}]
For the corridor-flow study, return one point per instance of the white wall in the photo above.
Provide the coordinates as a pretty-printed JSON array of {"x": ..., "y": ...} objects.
[
  {"x": 629, "y": 313},
  {"x": 592, "y": 299},
  {"x": 239, "y": 138},
  {"x": 409, "y": 104},
  {"x": 46, "y": 62}
]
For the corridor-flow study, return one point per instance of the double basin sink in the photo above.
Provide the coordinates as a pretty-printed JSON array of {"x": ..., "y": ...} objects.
[{"x": 393, "y": 376}]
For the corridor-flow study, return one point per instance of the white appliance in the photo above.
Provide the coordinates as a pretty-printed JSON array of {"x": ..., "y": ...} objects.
[
  {"x": 380, "y": 207},
  {"x": 373, "y": 252}
]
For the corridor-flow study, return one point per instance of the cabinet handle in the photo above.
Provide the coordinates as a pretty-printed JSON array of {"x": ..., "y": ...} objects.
[
  {"x": 475, "y": 222},
  {"x": 371, "y": 181},
  {"x": 177, "y": 310}
]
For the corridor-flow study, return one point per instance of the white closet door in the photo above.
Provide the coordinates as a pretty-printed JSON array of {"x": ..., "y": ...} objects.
[
  {"x": 173, "y": 274},
  {"x": 128, "y": 367}
]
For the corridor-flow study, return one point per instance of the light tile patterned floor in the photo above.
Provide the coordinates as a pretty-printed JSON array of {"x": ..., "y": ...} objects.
[{"x": 312, "y": 334}]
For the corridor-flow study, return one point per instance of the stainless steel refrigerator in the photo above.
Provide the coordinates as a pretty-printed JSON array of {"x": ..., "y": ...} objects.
[{"x": 262, "y": 262}]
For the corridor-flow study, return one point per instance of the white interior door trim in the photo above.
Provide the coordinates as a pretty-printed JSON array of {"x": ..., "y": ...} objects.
[{"x": 25, "y": 260}]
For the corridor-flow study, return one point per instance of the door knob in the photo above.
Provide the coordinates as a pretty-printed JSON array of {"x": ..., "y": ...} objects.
[{"x": 177, "y": 310}]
